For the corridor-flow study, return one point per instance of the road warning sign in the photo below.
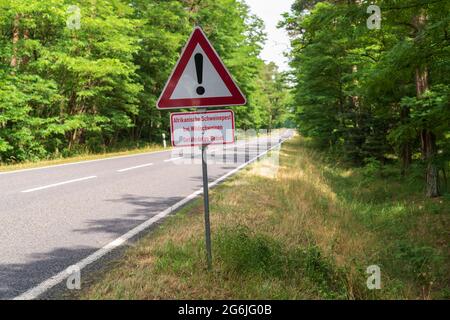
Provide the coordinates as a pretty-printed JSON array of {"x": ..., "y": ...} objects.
[
  {"x": 200, "y": 79},
  {"x": 202, "y": 128}
]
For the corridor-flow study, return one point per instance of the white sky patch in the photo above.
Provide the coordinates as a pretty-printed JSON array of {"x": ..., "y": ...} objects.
[{"x": 277, "y": 40}]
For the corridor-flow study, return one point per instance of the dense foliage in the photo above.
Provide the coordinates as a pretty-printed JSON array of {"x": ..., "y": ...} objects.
[
  {"x": 86, "y": 77},
  {"x": 373, "y": 93}
]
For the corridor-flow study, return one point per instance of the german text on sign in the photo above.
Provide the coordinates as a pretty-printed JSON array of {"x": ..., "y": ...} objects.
[{"x": 202, "y": 128}]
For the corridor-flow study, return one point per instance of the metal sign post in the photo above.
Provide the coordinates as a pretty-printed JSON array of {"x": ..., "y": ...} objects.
[
  {"x": 202, "y": 129},
  {"x": 201, "y": 80},
  {"x": 206, "y": 206}
]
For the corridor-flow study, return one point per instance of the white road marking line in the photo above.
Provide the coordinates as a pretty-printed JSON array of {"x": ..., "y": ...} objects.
[
  {"x": 58, "y": 184},
  {"x": 90, "y": 161},
  {"x": 41, "y": 288},
  {"x": 136, "y": 167},
  {"x": 173, "y": 159},
  {"x": 84, "y": 161}
]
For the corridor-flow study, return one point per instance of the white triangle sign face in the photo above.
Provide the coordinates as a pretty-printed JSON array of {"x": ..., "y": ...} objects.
[
  {"x": 200, "y": 79},
  {"x": 211, "y": 81}
]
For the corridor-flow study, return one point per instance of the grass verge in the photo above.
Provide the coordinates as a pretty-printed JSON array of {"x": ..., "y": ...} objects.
[
  {"x": 86, "y": 156},
  {"x": 308, "y": 232}
]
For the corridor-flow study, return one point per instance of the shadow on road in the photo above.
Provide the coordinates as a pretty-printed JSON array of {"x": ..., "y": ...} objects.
[
  {"x": 144, "y": 209},
  {"x": 17, "y": 278}
]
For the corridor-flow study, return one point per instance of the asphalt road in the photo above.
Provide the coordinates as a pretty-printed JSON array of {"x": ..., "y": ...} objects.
[{"x": 53, "y": 217}]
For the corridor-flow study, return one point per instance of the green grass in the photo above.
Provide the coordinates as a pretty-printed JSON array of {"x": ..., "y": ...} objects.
[
  {"x": 414, "y": 229},
  {"x": 309, "y": 232},
  {"x": 82, "y": 156}
]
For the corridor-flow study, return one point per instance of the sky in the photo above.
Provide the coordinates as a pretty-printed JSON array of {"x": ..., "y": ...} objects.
[{"x": 277, "y": 40}]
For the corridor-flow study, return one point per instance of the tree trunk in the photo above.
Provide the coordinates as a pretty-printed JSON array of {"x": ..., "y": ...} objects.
[
  {"x": 405, "y": 149},
  {"x": 26, "y": 36},
  {"x": 428, "y": 138},
  {"x": 406, "y": 156},
  {"x": 429, "y": 151},
  {"x": 355, "y": 99},
  {"x": 15, "y": 40},
  {"x": 421, "y": 81}
]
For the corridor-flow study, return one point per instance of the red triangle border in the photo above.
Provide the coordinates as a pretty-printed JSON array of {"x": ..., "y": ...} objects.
[{"x": 236, "y": 98}]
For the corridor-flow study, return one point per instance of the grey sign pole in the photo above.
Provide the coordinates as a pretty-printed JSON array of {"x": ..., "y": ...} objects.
[{"x": 206, "y": 205}]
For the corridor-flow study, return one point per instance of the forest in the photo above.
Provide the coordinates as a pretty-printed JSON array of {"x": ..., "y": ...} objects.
[
  {"x": 84, "y": 76},
  {"x": 375, "y": 96}
]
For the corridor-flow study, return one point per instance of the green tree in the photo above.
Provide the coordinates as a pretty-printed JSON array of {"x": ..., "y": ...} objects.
[
  {"x": 87, "y": 77},
  {"x": 368, "y": 92}
]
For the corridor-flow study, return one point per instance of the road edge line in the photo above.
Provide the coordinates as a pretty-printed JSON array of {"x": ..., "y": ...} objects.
[
  {"x": 83, "y": 162},
  {"x": 54, "y": 185}
]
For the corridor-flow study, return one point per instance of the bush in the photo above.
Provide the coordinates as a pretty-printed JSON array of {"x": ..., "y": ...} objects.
[
  {"x": 242, "y": 252},
  {"x": 372, "y": 167}
]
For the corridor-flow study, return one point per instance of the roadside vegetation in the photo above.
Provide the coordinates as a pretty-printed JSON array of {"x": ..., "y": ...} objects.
[
  {"x": 84, "y": 76},
  {"x": 309, "y": 232},
  {"x": 123, "y": 149},
  {"x": 372, "y": 93},
  {"x": 84, "y": 155}
]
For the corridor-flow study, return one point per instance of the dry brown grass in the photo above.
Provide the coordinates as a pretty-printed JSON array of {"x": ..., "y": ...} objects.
[{"x": 299, "y": 207}]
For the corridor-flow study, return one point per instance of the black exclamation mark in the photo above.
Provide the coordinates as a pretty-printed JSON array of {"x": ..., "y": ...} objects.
[{"x": 199, "y": 68}]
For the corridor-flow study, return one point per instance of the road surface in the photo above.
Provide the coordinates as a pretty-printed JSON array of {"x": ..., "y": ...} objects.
[{"x": 54, "y": 217}]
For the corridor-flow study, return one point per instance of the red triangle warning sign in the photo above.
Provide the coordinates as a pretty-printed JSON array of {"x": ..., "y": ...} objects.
[{"x": 200, "y": 79}]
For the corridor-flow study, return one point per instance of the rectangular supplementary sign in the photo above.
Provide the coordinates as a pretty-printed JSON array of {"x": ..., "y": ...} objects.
[{"x": 202, "y": 128}]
